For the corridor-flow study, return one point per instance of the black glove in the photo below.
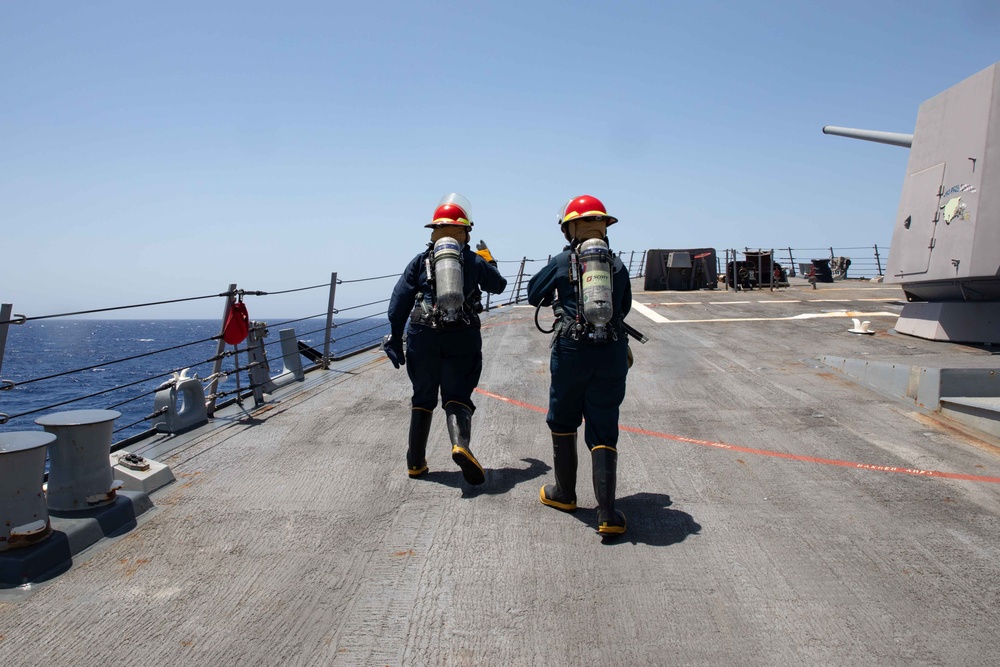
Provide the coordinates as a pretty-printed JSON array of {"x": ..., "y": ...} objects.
[{"x": 393, "y": 346}]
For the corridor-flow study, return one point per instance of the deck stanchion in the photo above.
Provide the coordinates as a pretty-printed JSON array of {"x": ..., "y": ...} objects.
[
  {"x": 5, "y": 310},
  {"x": 219, "y": 349},
  {"x": 878, "y": 263},
  {"x": 791, "y": 264},
  {"x": 329, "y": 320},
  {"x": 520, "y": 277}
]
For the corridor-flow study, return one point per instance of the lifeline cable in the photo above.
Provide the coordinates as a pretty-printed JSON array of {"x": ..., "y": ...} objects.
[
  {"x": 22, "y": 319},
  {"x": 361, "y": 280},
  {"x": 360, "y": 305},
  {"x": 117, "y": 361},
  {"x": 117, "y": 387},
  {"x": 286, "y": 291}
]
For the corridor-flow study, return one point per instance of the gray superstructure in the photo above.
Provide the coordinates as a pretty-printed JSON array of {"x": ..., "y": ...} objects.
[{"x": 946, "y": 240}]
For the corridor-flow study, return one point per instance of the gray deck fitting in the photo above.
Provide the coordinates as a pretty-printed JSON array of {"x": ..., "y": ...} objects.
[
  {"x": 978, "y": 412},
  {"x": 967, "y": 395},
  {"x": 145, "y": 481},
  {"x": 71, "y": 534},
  {"x": 900, "y": 380}
]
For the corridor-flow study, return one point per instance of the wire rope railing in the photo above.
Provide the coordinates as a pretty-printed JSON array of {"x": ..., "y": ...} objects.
[
  {"x": 22, "y": 319},
  {"x": 95, "y": 376},
  {"x": 751, "y": 268},
  {"x": 109, "y": 363}
]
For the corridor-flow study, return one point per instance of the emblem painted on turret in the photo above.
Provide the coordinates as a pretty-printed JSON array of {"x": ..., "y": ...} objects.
[{"x": 955, "y": 207}]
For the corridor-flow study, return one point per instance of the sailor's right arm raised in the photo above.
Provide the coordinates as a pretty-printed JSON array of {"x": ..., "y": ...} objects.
[{"x": 489, "y": 277}]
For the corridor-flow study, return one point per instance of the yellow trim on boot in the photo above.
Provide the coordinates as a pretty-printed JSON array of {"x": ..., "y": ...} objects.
[
  {"x": 603, "y": 447},
  {"x": 608, "y": 529},
  {"x": 565, "y": 507},
  {"x": 467, "y": 455},
  {"x": 417, "y": 472}
]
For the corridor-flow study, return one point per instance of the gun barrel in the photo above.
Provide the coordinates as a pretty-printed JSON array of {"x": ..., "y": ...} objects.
[{"x": 891, "y": 138}]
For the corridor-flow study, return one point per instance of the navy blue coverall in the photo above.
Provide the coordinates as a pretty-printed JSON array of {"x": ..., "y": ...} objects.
[
  {"x": 588, "y": 379},
  {"x": 446, "y": 359}
]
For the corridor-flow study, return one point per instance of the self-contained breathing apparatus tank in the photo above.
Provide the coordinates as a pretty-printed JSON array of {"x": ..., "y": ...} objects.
[
  {"x": 448, "y": 279},
  {"x": 595, "y": 286}
]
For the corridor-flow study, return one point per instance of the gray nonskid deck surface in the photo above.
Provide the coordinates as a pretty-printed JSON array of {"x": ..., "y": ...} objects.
[{"x": 296, "y": 538}]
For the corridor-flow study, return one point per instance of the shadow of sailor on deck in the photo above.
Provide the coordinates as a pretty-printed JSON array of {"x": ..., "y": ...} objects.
[
  {"x": 649, "y": 521},
  {"x": 498, "y": 480}
]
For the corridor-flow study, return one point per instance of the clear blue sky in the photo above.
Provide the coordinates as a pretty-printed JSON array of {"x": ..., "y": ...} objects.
[{"x": 160, "y": 150}]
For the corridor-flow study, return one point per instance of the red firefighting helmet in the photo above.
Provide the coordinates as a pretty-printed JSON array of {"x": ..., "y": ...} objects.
[
  {"x": 452, "y": 210},
  {"x": 585, "y": 207}
]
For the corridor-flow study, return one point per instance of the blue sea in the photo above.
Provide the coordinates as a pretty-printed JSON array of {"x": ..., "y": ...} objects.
[{"x": 85, "y": 356}]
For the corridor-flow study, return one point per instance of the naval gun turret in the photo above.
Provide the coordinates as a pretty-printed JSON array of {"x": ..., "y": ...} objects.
[{"x": 945, "y": 250}]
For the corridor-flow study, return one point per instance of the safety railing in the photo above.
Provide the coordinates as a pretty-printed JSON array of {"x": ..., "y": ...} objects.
[
  {"x": 751, "y": 268},
  {"x": 865, "y": 261},
  {"x": 59, "y": 361}
]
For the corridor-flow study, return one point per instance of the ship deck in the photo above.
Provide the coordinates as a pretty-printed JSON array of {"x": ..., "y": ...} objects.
[{"x": 779, "y": 513}]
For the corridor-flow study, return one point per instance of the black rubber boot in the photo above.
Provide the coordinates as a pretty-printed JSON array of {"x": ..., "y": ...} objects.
[
  {"x": 460, "y": 429},
  {"x": 420, "y": 427},
  {"x": 609, "y": 520},
  {"x": 562, "y": 494}
]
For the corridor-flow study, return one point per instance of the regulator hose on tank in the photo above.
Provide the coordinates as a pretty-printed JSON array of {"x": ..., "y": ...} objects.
[{"x": 539, "y": 326}]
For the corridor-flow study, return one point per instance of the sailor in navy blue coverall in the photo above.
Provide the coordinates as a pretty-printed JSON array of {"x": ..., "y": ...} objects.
[
  {"x": 588, "y": 378},
  {"x": 442, "y": 357}
]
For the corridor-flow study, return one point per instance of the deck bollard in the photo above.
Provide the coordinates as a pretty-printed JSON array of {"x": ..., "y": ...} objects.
[
  {"x": 24, "y": 517},
  {"x": 80, "y": 475}
]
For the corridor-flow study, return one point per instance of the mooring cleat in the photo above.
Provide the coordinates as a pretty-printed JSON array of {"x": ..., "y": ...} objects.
[
  {"x": 471, "y": 470},
  {"x": 616, "y": 527},
  {"x": 418, "y": 471},
  {"x": 547, "y": 496}
]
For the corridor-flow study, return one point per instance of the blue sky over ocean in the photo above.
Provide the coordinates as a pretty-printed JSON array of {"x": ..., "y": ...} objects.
[{"x": 159, "y": 150}]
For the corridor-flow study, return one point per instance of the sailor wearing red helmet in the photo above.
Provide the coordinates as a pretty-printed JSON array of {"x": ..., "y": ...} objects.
[
  {"x": 438, "y": 293},
  {"x": 590, "y": 291}
]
